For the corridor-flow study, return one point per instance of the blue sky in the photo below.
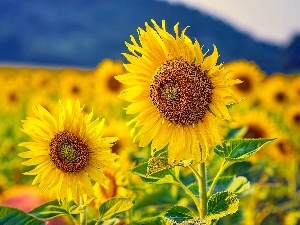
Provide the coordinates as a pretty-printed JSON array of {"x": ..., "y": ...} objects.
[{"x": 275, "y": 21}]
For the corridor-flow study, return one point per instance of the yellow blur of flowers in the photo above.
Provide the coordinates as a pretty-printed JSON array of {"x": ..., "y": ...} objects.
[
  {"x": 68, "y": 151},
  {"x": 178, "y": 93}
]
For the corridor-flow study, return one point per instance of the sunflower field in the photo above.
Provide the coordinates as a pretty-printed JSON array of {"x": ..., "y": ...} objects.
[{"x": 171, "y": 136}]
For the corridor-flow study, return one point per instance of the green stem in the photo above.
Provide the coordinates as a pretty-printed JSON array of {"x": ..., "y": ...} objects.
[
  {"x": 82, "y": 216},
  {"x": 202, "y": 190},
  {"x": 224, "y": 166},
  {"x": 194, "y": 198}
]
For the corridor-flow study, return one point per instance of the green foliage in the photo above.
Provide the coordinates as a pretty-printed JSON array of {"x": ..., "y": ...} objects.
[
  {"x": 17, "y": 217},
  {"x": 179, "y": 214},
  {"x": 237, "y": 150},
  {"x": 149, "y": 221},
  {"x": 221, "y": 204},
  {"x": 49, "y": 210},
  {"x": 231, "y": 184},
  {"x": 114, "y": 206},
  {"x": 156, "y": 177}
]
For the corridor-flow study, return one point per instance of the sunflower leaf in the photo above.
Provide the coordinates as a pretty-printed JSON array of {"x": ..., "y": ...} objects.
[
  {"x": 49, "y": 210},
  {"x": 142, "y": 171},
  {"x": 17, "y": 217},
  {"x": 179, "y": 214},
  {"x": 114, "y": 206},
  {"x": 237, "y": 150},
  {"x": 232, "y": 184},
  {"x": 221, "y": 204}
]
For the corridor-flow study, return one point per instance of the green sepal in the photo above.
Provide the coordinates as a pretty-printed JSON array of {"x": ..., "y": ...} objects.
[
  {"x": 221, "y": 204},
  {"x": 237, "y": 150},
  {"x": 14, "y": 216},
  {"x": 114, "y": 206}
]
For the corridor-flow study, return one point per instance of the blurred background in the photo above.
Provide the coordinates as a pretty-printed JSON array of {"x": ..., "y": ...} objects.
[
  {"x": 52, "y": 50},
  {"x": 81, "y": 34}
]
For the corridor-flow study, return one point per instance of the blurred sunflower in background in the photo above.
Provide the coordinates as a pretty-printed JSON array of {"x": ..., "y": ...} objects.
[
  {"x": 258, "y": 124},
  {"x": 276, "y": 94},
  {"x": 251, "y": 76},
  {"x": 13, "y": 92},
  {"x": 116, "y": 187},
  {"x": 68, "y": 151},
  {"x": 75, "y": 84},
  {"x": 178, "y": 93},
  {"x": 106, "y": 86},
  {"x": 295, "y": 87}
]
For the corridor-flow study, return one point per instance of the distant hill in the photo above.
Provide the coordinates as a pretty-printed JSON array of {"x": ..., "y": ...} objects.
[{"x": 82, "y": 33}]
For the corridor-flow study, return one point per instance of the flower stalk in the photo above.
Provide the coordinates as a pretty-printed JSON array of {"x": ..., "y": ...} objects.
[{"x": 202, "y": 189}]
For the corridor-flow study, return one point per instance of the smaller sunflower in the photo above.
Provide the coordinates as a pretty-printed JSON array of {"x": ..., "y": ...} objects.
[
  {"x": 248, "y": 72},
  {"x": 107, "y": 87},
  {"x": 68, "y": 151},
  {"x": 292, "y": 116},
  {"x": 295, "y": 87},
  {"x": 258, "y": 124},
  {"x": 75, "y": 84},
  {"x": 283, "y": 150},
  {"x": 276, "y": 92},
  {"x": 116, "y": 188}
]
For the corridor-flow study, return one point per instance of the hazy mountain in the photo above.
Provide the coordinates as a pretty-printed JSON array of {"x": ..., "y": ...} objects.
[{"x": 82, "y": 33}]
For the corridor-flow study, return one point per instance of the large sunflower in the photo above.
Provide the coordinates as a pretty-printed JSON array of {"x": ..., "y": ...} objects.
[
  {"x": 178, "y": 92},
  {"x": 68, "y": 151}
]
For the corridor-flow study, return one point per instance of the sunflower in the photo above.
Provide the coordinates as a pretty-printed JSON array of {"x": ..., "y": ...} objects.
[
  {"x": 277, "y": 94},
  {"x": 295, "y": 87},
  {"x": 248, "y": 72},
  {"x": 68, "y": 151},
  {"x": 116, "y": 188},
  {"x": 13, "y": 93},
  {"x": 75, "y": 84},
  {"x": 43, "y": 81},
  {"x": 292, "y": 116},
  {"x": 107, "y": 88},
  {"x": 257, "y": 123},
  {"x": 179, "y": 93}
]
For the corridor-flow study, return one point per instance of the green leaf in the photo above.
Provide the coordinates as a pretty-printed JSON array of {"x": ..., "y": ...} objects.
[
  {"x": 113, "y": 221},
  {"x": 14, "y": 216},
  {"x": 194, "y": 188},
  {"x": 141, "y": 170},
  {"x": 157, "y": 164},
  {"x": 149, "y": 221},
  {"x": 232, "y": 184},
  {"x": 237, "y": 150},
  {"x": 179, "y": 214},
  {"x": 114, "y": 206},
  {"x": 49, "y": 210},
  {"x": 221, "y": 204},
  {"x": 236, "y": 132}
]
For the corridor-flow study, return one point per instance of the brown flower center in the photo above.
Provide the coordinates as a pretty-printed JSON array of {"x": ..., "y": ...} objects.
[
  {"x": 296, "y": 118},
  {"x": 181, "y": 91},
  {"x": 280, "y": 97},
  {"x": 113, "y": 84},
  {"x": 246, "y": 85},
  {"x": 254, "y": 132},
  {"x": 68, "y": 152}
]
